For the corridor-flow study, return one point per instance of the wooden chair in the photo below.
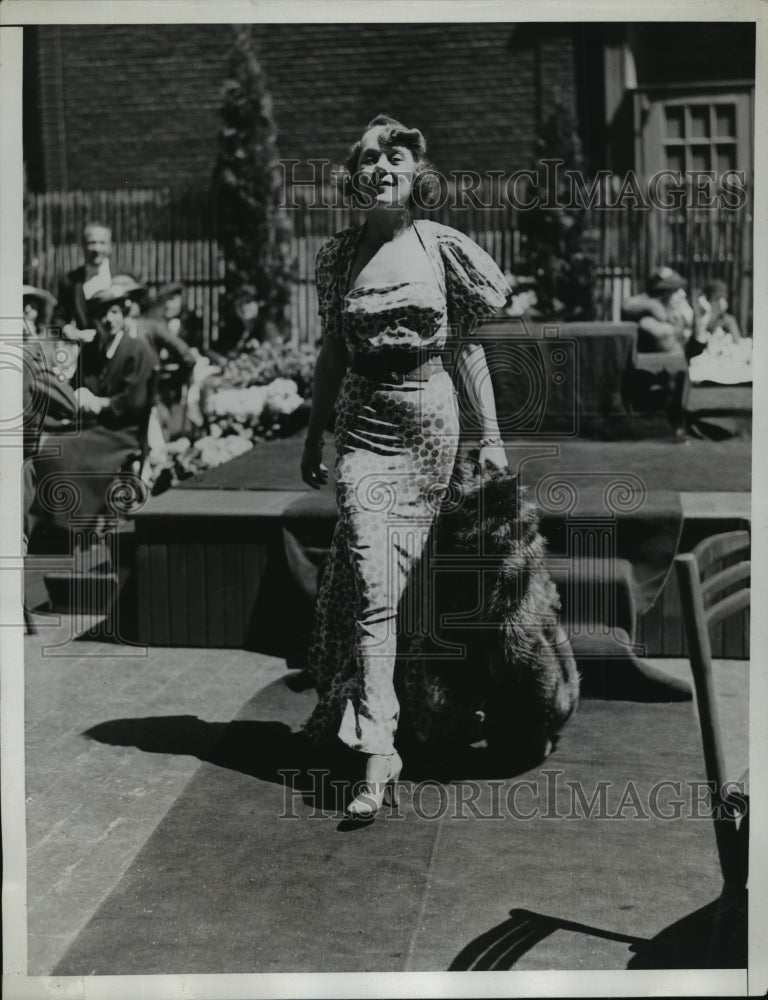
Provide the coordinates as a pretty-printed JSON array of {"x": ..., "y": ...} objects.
[{"x": 714, "y": 584}]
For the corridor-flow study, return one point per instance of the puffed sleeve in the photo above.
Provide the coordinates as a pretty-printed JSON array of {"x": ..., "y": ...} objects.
[
  {"x": 327, "y": 291},
  {"x": 475, "y": 287}
]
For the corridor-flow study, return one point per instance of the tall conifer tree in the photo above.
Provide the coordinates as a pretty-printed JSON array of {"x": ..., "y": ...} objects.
[{"x": 254, "y": 232}]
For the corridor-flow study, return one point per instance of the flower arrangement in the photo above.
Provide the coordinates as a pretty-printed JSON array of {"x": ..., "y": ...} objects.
[
  {"x": 263, "y": 390},
  {"x": 260, "y": 364},
  {"x": 261, "y": 393}
]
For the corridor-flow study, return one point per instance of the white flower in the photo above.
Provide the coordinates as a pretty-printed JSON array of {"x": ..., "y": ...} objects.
[
  {"x": 179, "y": 446},
  {"x": 242, "y": 404},
  {"x": 283, "y": 396}
]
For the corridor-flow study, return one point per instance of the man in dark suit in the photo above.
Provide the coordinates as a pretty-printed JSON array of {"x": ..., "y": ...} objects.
[{"x": 77, "y": 287}]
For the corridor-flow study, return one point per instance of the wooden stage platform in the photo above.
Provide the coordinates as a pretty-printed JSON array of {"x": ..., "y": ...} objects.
[{"x": 207, "y": 559}]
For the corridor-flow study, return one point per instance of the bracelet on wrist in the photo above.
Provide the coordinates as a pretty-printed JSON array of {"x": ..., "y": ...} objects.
[{"x": 491, "y": 442}]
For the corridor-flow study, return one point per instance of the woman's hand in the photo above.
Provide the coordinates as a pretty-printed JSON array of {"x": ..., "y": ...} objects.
[
  {"x": 313, "y": 472},
  {"x": 88, "y": 402},
  {"x": 495, "y": 455}
]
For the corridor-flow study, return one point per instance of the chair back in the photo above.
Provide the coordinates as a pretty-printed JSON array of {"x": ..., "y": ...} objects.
[
  {"x": 714, "y": 585},
  {"x": 710, "y": 591}
]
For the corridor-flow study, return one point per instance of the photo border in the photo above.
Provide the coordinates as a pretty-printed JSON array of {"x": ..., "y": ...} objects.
[{"x": 17, "y": 984}]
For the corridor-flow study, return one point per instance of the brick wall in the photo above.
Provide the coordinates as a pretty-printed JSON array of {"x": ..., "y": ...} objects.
[{"x": 137, "y": 106}]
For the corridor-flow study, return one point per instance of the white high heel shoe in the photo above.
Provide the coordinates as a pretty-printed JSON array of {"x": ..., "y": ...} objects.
[{"x": 382, "y": 773}]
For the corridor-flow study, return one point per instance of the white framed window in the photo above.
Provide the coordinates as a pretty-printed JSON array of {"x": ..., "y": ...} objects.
[{"x": 699, "y": 129}]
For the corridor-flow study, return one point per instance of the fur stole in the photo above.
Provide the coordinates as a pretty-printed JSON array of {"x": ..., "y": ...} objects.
[{"x": 515, "y": 682}]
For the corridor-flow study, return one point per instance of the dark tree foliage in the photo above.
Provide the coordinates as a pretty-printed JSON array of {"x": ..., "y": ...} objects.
[
  {"x": 558, "y": 239},
  {"x": 253, "y": 231}
]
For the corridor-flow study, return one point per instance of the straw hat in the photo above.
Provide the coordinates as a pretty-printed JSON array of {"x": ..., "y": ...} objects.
[
  {"x": 169, "y": 290},
  {"x": 665, "y": 280},
  {"x": 105, "y": 297},
  {"x": 30, "y": 291},
  {"x": 130, "y": 285}
]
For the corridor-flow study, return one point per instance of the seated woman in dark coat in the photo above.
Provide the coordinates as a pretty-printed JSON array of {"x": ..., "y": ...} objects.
[
  {"x": 174, "y": 358},
  {"x": 111, "y": 387}
]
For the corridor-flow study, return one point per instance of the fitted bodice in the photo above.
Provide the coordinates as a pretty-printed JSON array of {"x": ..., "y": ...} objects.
[
  {"x": 468, "y": 288},
  {"x": 408, "y": 314}
]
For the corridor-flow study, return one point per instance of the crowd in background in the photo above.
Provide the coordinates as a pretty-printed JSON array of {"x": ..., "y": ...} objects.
[{"x": 110, "y": 373}]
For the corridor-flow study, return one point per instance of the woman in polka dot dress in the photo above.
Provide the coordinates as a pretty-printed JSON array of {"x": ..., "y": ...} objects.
[{"x": 390, "y": 293}]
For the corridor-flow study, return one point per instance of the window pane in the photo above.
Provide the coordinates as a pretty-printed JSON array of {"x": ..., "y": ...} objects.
[
  {"x": 700, "y": 159},
  {"x": 726, "y": 156},
  {"x": 676, "y": 158},
  {"x": 675, "y": 120},
  {"x": 699, "y": 121},
  {"x": 725, "y": 120}
]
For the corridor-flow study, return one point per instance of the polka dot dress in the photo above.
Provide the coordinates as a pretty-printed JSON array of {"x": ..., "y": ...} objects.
[{"x": 396, "y": 446}]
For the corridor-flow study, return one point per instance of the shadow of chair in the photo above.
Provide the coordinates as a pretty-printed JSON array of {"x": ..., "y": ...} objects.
[
  {"x": 713, "y": 581},
  {"x": 501, "y": 948}
]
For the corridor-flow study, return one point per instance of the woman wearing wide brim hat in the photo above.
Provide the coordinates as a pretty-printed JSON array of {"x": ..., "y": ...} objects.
[
  {"x": 174, "y": 357},
  {"x": 171, "y": 310},
  {"x": 115, "y": 293},
  {"x": 42, "y": 294},
  {"x": 133, "y": 289},
  {"x": 37, "y": 306}
]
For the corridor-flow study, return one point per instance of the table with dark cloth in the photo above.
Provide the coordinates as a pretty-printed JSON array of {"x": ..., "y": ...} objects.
[
  {"x": 563, "y": 379},
  {"x": 720, "y": 411}
]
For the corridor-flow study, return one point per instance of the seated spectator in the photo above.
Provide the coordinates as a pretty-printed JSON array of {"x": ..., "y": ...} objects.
[
  {"x": 713, "y": 319},
  {"x": 663, "y": 314},
  {"x": 177, "y": 319},
  {"x": 168, "y": 348},
  {"x": 37, "y": 303},
  {"x": 175, "y": 360},
  {"x": 111, "y": 387},
  {"x": 49, "y": 403},
  {"x": 249, "y": 321}
]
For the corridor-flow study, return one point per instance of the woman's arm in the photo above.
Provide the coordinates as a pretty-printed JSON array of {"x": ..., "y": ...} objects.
[
  {"x": 472, "y": 366},
  {"x": 330, "y": 368}
]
